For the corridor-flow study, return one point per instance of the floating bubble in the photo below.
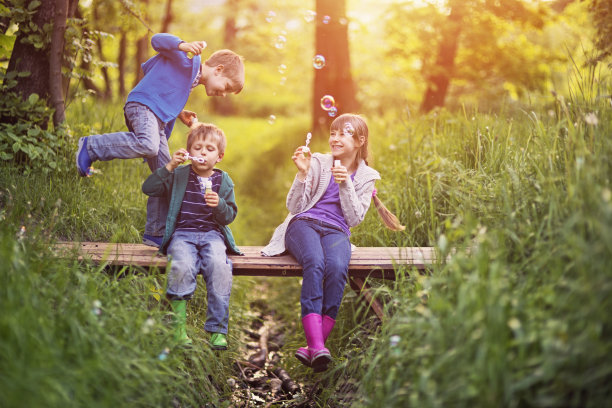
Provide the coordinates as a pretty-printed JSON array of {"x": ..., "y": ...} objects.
[
  {"x": 318, "y": 61},
  {"x": 270, "y": 16},
  {"x": 282, "y": 68},
  {"x": 394, "y": 340},
  {"x": 280, "y": 42},
  {"x": 327, "y": 102},
  {"x": 309, "y": 16},
  {"x": 326, "y": 19},
  {"x": 282, "y": 80},
  {"x": 96, "y": 308},
  {"x": 343, "y": 21},
  {"x": 332, "y": 112},
  {"x": 271, "y": 119},
  {"x": 348, "y": 129},
  {"x": 164, "y": 354}
]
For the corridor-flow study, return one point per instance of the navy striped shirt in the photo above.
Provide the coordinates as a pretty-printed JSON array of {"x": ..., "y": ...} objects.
[{"x": 195, "y": 215}]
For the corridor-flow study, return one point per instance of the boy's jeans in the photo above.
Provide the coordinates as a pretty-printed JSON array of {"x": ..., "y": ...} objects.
[
  {"x": 146, "y": 138},
  {"x": 194, "y": 252},
  {"x": 324, "y": 251}
]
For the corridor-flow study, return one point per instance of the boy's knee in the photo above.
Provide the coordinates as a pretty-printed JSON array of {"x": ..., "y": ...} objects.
[{"x": 149, "y": 149}]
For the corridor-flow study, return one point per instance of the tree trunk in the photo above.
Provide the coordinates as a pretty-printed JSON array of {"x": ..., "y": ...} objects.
[
  {"x": 167, "y": 17},
  {"x": 55, "y": 61},
  {"x": 225, "y": 106},
  {"x": 142, "y": 46},
  {"x": 121, "y": 63},
  {"x": 331, "y": 41},
  {"x": 27, "y": 58},
  {"x": 439, "y": 78},
  {"x": 108, "y": 88}
]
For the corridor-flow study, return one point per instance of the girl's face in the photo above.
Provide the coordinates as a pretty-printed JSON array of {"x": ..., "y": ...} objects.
[
  {"x": 209, "y": 150},
  {"x": 343, "y": 145}
]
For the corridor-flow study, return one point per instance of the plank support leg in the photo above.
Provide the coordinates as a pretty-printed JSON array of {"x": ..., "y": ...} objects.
[{"x": 365, "y": 291}]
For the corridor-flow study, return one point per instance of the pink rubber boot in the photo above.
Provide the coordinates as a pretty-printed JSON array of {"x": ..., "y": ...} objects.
[{"x": 303, "y": 354}]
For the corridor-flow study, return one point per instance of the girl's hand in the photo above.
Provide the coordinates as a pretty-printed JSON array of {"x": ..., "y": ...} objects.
[
  {"x": 340, "y": 173},
  {"x": 188, "y": 117},
  {"x": 178, "y": 157},
  {"x": 195, "y": 47},
  {"x": 302, "y": 162},
  {"x": 211, "y": 198}
]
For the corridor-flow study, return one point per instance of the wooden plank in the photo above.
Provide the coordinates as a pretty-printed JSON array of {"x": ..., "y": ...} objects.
[
  {"x": 364, "y": 290},
  {"x": 379, "y": 262}
]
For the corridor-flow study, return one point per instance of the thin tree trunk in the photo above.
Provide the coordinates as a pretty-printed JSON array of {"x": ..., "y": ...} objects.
[
  {"x": 331, "y": 41},
  {"x": 141, "y": 56},
  {"x": 121, "y": 63},
  {"x": 142, "y": 45},
  {"x": 168, "y": 17},
  {"x": 108, "y": 90},
  {"x": 55, "y": 61},
  {"x": 442, "y": 72}
]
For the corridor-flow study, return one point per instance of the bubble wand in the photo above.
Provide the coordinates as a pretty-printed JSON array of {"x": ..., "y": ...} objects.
[
  {"x": 200, "y": 160},
  {"x": 306, "y": 149}
]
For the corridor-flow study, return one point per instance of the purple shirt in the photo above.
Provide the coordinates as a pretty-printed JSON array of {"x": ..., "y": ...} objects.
[{"x": 328, "y": 208}]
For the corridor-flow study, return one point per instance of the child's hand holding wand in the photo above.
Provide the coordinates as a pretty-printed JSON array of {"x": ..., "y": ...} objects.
[
  {"x": 302, "y": 162},
  {"x": 179, "y": 157}
]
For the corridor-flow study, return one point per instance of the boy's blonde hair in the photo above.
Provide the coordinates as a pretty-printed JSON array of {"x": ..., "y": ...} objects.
[
  {"x": 233, "y": 66},
  {"x": 361, "y": 130},
  {"x": 201, "y": 131}
]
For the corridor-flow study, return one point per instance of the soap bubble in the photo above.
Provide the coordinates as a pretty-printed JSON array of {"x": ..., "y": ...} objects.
[
  {"x": 332, "y": 112},
  {"x": 309, "y": 16},
  {"x": 280, "y": 42},
  {"x": 394, "y": 340},
  {"x": 282, "y": 80},
  {"x": 343, "y": 21},
  {"x": 326, "y": 19},
  {"x": 327, "y": 102},
  {"x": 282, "y": 68},
  {"x": 270, "y": 16},
  {"x": 318, "y": 61},
  {"x": 271, "y": 119},
  {"x": 348, "y": 129}
]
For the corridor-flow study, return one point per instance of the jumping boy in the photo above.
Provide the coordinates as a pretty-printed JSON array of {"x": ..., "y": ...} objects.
[
  {"x": 153, "y": 106},
  {"x": 197, "y": 236}
]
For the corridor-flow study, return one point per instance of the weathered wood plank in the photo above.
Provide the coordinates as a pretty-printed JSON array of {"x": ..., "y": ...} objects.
[{"x": 379, "y": 262}]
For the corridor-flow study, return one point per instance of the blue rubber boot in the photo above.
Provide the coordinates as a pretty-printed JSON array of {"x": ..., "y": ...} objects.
[{"x": 83, "y": 161}]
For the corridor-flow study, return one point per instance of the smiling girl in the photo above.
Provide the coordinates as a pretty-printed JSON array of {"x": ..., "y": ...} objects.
[{"x": 330, "y": 194}]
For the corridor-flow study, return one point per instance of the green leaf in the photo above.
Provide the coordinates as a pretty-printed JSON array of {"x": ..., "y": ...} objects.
[
  {"x": 33, "y": 5},
  {"x": 33, "y": 98}
]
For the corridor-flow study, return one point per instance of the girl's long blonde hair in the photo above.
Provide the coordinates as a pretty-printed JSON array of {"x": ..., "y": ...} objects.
[{"x": 360, "y": 129}]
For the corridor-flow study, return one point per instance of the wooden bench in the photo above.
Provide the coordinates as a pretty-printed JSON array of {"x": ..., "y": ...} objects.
[{"x": 372, "y": 262}]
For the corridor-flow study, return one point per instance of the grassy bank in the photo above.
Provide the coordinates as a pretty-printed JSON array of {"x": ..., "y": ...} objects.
[{"x": 519, "y": 316}]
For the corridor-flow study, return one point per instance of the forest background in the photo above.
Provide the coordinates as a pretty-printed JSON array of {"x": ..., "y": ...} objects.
[{"x": 489, "y": 122}]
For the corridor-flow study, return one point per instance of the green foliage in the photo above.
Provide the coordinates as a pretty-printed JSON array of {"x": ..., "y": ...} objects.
[
  {"x": 88, "y": 338},
  {"x": 518, "y": 316},
  {"x": 601, "y": 11},
  {"x": 21, "y": 13}
]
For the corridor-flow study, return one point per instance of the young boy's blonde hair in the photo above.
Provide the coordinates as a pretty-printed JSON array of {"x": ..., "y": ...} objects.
[
  {"x": 233, "y": 66},
  {"x": 201, "y": 131}
]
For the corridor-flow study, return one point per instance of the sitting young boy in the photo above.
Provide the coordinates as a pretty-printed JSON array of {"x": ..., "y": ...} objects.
[{"x": 201, "y": 205}]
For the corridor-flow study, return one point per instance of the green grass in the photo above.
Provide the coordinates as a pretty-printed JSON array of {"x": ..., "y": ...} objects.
[{"x": 519, "y": 316}]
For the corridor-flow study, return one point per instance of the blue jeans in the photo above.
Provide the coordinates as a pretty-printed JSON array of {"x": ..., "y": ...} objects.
[
  {"x": 202, "y": 252},
  {"x": 146, "y": 138},
  {"x": 324, "y": 251}
]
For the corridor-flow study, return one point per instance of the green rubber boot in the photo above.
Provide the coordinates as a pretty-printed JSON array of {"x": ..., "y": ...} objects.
[
  {"x": 179, "y": 307},
  {"x": 218, "y": 341}
]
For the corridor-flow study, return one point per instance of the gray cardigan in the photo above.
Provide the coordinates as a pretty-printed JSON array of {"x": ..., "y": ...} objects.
[{"x": 355, "y": 196}]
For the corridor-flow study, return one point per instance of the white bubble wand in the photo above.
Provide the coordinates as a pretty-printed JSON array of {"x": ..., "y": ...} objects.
[
  {"x": 305, "y": 148},
  {"x": 200, "y": 160}
]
